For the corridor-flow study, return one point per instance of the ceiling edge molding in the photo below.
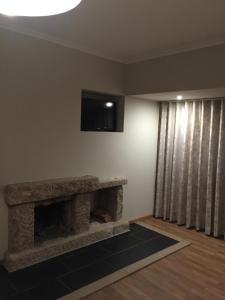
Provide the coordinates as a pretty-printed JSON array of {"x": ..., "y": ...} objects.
[
  {"x": 94, "y": 52},
  {"x": 61, "y": 42},
  {"x": 177, "y": 51}
]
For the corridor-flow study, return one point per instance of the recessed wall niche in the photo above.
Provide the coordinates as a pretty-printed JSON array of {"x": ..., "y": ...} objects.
[{"x": 102, "y": 112}]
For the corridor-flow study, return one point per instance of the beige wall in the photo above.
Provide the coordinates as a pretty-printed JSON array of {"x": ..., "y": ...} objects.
[
  {"x": 193, "y": 70},
  {"x": 40, "y": 134},
  {"x": 40, "y": 121}
]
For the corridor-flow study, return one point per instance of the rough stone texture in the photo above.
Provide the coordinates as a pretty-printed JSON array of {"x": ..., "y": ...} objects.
[
  {"x": 117, "y": 208},
  {"x": 113, "y": 182},
  {"x": 79, "y": 193},
  {"x": 16, "y": 194},
  {"x": 81, "y": 210},
  {"x": 120, "y": 228},
  {"x": 97, "y": 232},
  {"x": 111, "y": 200},
  {"x": 69, "y": 216},
  {"x": 21, "y": 227},
  {"x": 30, "y": 192}
]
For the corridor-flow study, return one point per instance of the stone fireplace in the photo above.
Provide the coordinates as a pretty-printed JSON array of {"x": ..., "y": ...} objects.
[{"x": 52, "y": 217}]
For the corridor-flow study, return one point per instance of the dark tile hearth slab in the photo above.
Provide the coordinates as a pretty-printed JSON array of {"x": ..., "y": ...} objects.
[
  {"x": 135, "y": 227},
  {"x": 84, "y": 257},
  {"x": 30, "y": 277},
  {"x": 64, "y": 274},
  {"x": 47, "y": 290},
  {"x": 127, "y": 257},
  {"x": 147, "y": 234},
  {"x": 6, "y": 287},
  {"x": 84, "y": 276},
  {"x": 121, "y": 243},
  {"x": 158, "y": 244}
]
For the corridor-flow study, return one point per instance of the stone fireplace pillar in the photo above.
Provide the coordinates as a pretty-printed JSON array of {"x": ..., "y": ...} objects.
[
  {"x": 81, "y": 209},
  {"x": 21, "y": 227}
]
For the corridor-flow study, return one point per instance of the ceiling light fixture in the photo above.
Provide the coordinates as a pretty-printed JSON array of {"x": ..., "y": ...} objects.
[
  {"x": 179, "y": 97},
  {"x": 36, "y": 8}
]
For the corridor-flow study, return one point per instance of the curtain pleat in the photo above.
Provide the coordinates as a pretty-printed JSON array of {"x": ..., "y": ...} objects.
[
  {"x": 169, "y": 160},
  {"x": 219, "y": 220},
  {"x": 190, "y": 181},
  {"x": 212, "y": 165},
  {"x": 182, "y": 195},
  {"x": 177, "y": 160},
  {"x": 203, "y": 165},
  {"x": 192, "y": 188},
  {"x": 161, "y": 161}
]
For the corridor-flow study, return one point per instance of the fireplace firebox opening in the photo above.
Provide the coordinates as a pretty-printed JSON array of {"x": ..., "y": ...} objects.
[
  {"x": 52, "y": 221},
  {"x": 104, "y": 206}
]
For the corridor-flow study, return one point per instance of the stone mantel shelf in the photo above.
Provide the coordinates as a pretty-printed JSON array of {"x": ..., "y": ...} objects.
[{"x": 30, "y": 192}]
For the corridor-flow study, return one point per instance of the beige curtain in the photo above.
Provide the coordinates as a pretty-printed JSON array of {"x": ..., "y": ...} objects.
[{"x": 190, "y": 183}]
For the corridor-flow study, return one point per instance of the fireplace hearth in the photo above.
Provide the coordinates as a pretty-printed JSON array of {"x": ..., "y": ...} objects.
[{"x": 52, "y": 217}]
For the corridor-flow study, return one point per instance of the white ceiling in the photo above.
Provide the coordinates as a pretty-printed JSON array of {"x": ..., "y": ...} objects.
[
  {"x": 187, "y": 95},
  {"x": 131, "y": 30}
]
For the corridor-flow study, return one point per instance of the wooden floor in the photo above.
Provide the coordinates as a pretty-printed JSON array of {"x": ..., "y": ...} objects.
[{"x": 194, "y": 273}]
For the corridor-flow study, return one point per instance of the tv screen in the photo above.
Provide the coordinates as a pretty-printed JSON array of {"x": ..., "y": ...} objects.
[{"x": 99, "y": 112}]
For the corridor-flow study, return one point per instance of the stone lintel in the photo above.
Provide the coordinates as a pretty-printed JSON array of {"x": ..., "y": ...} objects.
[
  {"x": 30, "y": 192},
  {"x": 16, "y": 194},
  {"x": 113, "y": 182}
]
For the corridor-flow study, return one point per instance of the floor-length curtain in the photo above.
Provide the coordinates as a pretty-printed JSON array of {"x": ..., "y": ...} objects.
[{"x": 190, "y": 181}]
